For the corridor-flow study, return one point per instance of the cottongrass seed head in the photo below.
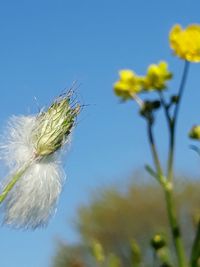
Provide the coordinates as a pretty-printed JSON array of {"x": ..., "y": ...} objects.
[{"x": 31, "y": 147}]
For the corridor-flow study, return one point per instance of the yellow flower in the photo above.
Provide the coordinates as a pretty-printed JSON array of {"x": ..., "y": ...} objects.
[
  {"x": 195, "y": 132},
  {"x": 156, "y": 77},
  {"x": 128, "y": 85},
  {"x": 186, "y": 42}
]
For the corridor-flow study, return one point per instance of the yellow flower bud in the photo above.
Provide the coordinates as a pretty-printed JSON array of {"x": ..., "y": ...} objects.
[{"x": 195, "y": 132}]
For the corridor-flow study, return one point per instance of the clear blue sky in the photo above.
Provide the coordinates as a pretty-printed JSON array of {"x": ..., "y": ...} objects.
[{"x": 44, "y": 47}]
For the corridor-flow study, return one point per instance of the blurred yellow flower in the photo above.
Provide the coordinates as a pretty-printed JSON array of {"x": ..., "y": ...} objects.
[
  {"x": 156, "y": 77},
  {"x": 186, "y": 42},
  {"x": 195, "y": 132},
  {"x": 128, "y": 85}
]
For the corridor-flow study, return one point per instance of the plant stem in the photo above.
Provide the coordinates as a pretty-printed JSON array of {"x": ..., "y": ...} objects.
[
  {"x": 153, "y": 149},
  {"x": 168, "y": 183},
  {"x": 173, "y": 123},
  {"x": 171, "y": 211},
  {"x": 165, "y": 107},
  {"x": 181, "y": 90},
  {"x": 195, "y": 254},
  {"x": 175, "y": 229},
  {"x": 15, "y": 177},
  {"x": 170, "y": 166}
]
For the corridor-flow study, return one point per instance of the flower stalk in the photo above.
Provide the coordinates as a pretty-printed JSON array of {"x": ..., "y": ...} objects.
[
  {"x": 185, "y": 44},
  {"x": 173, "y": 122},
  {"x": 171, "y": 210},
  {"x": 14, "y": 179},
  {"x": 174, "y": 226}
]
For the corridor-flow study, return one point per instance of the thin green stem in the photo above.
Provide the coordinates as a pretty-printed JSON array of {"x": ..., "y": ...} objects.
[
  {"x": 165, "y": 107},
  {"x": 170, "y": 124},
  {"x": 170, "y": 164},
  {"x": 161, "y": 179},
  {"x": 195, "y": 253},
  {"x": 168, "y": 184},
  {"x": 168, "y": 187},
  {"x": 181, "y": 90},
  {"x": 171, "y": 211},
  {"x": 153, "y": 149},
  {"x": 15, "y": 177},
  {"x": 173, "y": 122},
  {"x": 175, "y": 229}
]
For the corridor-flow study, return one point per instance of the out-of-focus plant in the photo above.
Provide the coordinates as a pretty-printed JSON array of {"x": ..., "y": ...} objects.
[
  {"x": 116, "y": 219},
  {"x": 185, "y": 44},
  {"x": 70, "y": 256},
  {"x": 161, "y": 251},
  {"x": 195, "y": 253},
  {"x": 135, "y": 254},
  {"x": 98, "y": 251}
]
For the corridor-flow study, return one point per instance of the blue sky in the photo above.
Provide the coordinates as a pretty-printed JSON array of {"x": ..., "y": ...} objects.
[{"x": 44, "y": 47}]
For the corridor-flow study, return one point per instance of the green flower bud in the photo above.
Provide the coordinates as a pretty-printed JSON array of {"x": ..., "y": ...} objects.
[
  {"x": 195, "y": 132},
  {"x": 174, "y": 99},
  {"x": 158, "y": 242},
  {"x": 55, "y": 125}
]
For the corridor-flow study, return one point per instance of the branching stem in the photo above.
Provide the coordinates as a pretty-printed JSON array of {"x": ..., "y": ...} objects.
[{"x": 168, "y": 185}]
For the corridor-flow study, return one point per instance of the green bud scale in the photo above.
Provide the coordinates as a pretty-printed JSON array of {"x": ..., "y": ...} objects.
[{"x": 55, "y": 125}]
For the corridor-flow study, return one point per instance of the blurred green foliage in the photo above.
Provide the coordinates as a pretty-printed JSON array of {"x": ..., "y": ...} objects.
[{"x": 124, "y": 221}]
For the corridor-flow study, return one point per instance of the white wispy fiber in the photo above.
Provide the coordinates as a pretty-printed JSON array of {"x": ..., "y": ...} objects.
[{"x": 32, "y": 200}]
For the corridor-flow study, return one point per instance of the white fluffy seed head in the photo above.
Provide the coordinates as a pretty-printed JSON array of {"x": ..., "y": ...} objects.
[
  {"x": 17, "y": 146},
  {"x": 31, "y": 144},
  {"x": 32, "y": 200}
]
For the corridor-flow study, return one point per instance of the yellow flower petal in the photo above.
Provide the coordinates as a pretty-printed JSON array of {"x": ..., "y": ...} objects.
[
  {"x": 186, "y": 42},
  {"x": 126, "y": 75},
  {"x": 156, "y": 77},
  {"x": 128, "y": 85}
]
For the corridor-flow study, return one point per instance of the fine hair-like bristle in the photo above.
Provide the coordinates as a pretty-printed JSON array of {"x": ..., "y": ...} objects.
[{"x": 32, "y": 201}]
